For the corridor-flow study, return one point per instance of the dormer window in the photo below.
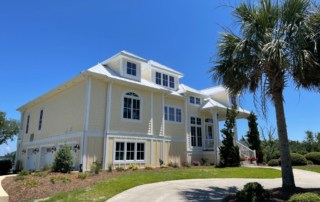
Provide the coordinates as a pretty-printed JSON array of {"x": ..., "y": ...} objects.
[
  {"x": 131, "y": 69},
  {"x": 164, "y": 80},
  {"x": 171, "y": 82},
  {"x": 198, "y": 101}
]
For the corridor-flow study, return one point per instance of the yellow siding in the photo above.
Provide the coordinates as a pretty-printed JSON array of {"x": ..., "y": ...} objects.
[
  {"x": 157, "y": 114},
  {"x": 115, "y": 66},
  {"x": 176, "y": 152},
  {"x": 175, "y": 129},
  {"x": 146, "y": 74},
  {"x": 63, "y": 113},
  {"x": 94, "y": 150},
  {"x": 98, "y": 103},
  {"x": 117, "y": 123}
]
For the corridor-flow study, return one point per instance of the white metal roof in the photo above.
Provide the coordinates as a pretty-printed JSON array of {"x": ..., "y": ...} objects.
[
  {"x": 184, "y": 88},
  {"x": 163, "y": 67},
  {"x": 210, "y": 103},
  {"x": 213, "y": 90}
]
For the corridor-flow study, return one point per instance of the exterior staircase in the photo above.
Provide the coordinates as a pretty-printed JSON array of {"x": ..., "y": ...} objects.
[{"x": 248, "y": 154}]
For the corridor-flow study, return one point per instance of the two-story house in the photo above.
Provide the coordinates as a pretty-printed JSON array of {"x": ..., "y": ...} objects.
[{"x": 122, "y": 111}]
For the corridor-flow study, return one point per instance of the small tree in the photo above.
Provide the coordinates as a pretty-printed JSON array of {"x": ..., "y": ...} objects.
[
  {"x": 63, "y": 161},
  {"x": 253, "y": 136},
  {"x": 8, "y": 128},
  {"x": 229, "y": 153}
]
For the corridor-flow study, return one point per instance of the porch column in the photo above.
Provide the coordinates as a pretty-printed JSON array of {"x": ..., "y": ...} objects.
[{"x": 216, "y": 136}]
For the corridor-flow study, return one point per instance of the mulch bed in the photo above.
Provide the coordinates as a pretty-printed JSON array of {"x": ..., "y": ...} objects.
[
  {"x": 279, "y": 194},
  {"x": 18, "y": 191}
]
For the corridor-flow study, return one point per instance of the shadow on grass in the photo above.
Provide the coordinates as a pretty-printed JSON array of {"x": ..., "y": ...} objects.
[{"x": 210, "y": 194}]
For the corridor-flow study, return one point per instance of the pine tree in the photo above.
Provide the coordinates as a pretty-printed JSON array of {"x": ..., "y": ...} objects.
[
  {"x": 229, "y": 153},
  {"x": 253, "y": 136},
  {"x": 63, "y": 161}
]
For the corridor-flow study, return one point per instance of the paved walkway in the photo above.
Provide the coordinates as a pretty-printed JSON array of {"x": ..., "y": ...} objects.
[{"x": 206, "y": 189}]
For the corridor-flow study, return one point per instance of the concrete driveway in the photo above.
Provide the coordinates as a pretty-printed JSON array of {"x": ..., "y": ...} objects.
[{"x": 206, "y": 189}]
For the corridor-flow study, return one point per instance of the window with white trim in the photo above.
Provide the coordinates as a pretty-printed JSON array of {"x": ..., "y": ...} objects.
[
  {"x": 196, "y": 132},
  {"x": 131, "y": 106},
  {"x": 131, "y": 69},
  {"x": 172, "y": 114},
  {"x": 195, "y": 100},
  {"x": 165, "y": 80},
  {"x": 129, "y": 151},
  {"x": 171, "y": 82},
  {"x": 158, "y": 78},
  {"x": 27, "y": 125},
  {"x": 40, "y": 119}
]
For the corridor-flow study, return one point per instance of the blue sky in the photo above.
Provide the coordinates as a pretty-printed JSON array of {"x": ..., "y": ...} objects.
[{"x": 44, "y": 43}]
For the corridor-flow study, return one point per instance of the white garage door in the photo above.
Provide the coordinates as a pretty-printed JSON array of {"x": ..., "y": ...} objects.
[
  {"x": 31, "y": 160},
  {"x": 46, "y": 157}
]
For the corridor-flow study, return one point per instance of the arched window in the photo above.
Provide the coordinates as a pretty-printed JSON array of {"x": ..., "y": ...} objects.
[{"x": 131, "y": 106}]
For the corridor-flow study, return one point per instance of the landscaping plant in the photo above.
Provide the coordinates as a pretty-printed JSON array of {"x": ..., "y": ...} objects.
[
  {"x": 253, "y": 192},
  {"x": 229, "y": 153},
  {"x": 63, "y": 160}
]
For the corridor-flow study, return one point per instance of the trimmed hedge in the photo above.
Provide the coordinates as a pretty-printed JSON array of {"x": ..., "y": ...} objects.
[
  {"x": 5, "y": 166},
  {"x": 274, "y": 162},
  {"x": 305, "y": 197},
  {"x": 254, "y": 192},
  {"x": 298, "y": 159},
  {"x": 314, "y": 157}
]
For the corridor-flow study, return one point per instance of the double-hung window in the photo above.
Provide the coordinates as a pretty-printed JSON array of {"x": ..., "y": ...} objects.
[
  {"x": 131, "y": 69},
  {"x": 191, "y": 99},
  {"x": 129, "y": 151},
  {"x": 172, "y": 114},
  {"x": 158, "y": 78},
  {"x": 196, "y": 132},
  {"x": 40, "y": 119},
  {"x": 171, "y": 81},
  {"x": 131, "y": 106},
  {"x": 194, "y": 100},
  {"x": 164, "y": 79}
]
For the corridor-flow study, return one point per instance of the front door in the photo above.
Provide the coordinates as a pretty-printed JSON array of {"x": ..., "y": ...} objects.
[
  {"x": 31, "y": 160},
  {"x": 209, "y": 144}
]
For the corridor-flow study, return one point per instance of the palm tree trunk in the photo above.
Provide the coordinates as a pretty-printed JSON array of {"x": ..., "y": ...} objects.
[{"x": 286, "y": 167}]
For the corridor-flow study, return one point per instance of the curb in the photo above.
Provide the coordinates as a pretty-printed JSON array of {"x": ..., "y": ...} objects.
[{"x": 4, "y": 197}]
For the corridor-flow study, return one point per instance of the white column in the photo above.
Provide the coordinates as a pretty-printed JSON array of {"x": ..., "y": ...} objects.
[
  {"x": 86, "y": 124},
  {"x": 164, "y": 129},
  {"x": 107, "y": 127},
  {"x": 186, "y": 121},
  {"x": 151, "y": 115},
  {"x": 216, "y": 136}
]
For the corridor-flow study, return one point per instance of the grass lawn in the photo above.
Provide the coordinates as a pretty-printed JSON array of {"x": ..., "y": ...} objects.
[
  {"x": 110, "y": 187},
  {"x": 309, "y": 168}
]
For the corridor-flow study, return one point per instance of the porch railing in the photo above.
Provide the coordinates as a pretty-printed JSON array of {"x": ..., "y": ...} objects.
[{"x": 245, "y": 151}]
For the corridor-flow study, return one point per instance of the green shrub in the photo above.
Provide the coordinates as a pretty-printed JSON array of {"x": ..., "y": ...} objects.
[
  {"x": 309, "y": 162},
  {"x": 186, "y": 164},
  {"x": 253, "y": 192},
  {"x": 276, "y": 154},
  {"x": 205, "y": 162},
  {"x": 46, "y": 168},
  {"x": 120, "y": 169},
  {"x": 29, "y": 182},
  {"x": 133, "y": 167},
  {"x": 314, "y": 157},
  {"x": 96, "y": 167},
  {"x": 24, "y": 173},
  {"x": 41, "y": 174},
  {"x": 110, "y": 168},
  {"x": 173, "y": 165},
  {"x": 63, "y": 160},
  {"x": 148, "y": 167},
  {"x": 273, "y": 162},
  {"x": 63, "y": 179},
  {"x": 305, "y": 197},
  {"x": 19, "y": 178},
  {"x": 164, "y": 166},
  {"x": 82, "y": 176},
  {"x": 5, "y": 166},
  {"x": 298, "y": 159}
]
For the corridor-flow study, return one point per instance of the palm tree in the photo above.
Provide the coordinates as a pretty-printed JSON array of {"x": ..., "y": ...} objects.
[{"x": 277, "y": 42}]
